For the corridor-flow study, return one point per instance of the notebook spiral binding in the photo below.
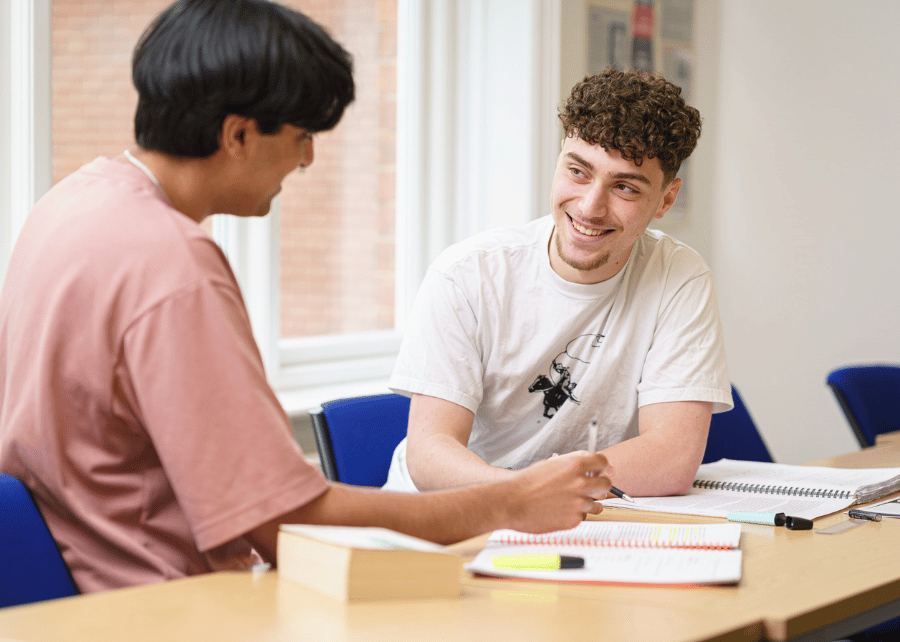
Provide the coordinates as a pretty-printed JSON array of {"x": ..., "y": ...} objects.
[
  {"x": 557, "y": 540},
  {"x": 773, "y": 490}
]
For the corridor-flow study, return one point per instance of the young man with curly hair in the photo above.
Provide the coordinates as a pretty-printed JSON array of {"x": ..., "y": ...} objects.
[{"x": 580, "y": 328}]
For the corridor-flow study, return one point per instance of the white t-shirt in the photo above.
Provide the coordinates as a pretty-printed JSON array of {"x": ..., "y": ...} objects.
[{"x": 536, "y": 358}]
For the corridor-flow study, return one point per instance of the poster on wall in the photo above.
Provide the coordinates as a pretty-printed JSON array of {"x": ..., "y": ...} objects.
[
  {"x": 607, "y": 38},
  {"x": 648, "y": 35}
]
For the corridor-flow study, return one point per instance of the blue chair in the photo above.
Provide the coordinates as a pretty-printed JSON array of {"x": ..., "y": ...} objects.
[
  {"x": 733, "y": 435},
  {"x": 869, "y": 395},
  {"x": 356, "y": 437},
  {"x": 31, "y": 567}
]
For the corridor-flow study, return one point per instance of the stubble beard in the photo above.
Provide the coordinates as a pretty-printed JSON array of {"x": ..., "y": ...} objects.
[{"x": 582, "y": 266}]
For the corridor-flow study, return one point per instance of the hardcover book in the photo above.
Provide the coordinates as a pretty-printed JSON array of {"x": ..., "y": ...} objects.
[{"x": 354, "y": 563}]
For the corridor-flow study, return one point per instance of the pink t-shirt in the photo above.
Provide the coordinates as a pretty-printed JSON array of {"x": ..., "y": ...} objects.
[{"x": 133, "y": 400}]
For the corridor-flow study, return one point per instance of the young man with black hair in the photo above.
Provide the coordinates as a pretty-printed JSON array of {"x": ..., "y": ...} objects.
[
  {"x": 580, "y": 329},
  {"x": 133, "y": 400}
]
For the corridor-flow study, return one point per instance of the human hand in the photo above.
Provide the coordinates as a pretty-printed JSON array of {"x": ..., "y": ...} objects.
[{"x": 557, "y": 493}]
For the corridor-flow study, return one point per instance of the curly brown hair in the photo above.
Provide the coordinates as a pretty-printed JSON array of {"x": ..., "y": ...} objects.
[{"x": 637, "y": 113}]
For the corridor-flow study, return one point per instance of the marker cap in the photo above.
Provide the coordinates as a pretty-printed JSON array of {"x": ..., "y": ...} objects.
[{"x": 798, "y": 524}]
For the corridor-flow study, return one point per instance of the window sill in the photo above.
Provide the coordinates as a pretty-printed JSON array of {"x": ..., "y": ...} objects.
[{"x": 300, "y": 401}]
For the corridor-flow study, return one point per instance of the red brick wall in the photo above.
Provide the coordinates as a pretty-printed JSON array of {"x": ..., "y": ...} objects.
[
  {"x": 93, "y": 98},
  {"x": 337, "y": 220}
]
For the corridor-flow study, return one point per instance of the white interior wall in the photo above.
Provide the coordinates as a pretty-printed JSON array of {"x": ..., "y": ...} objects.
[
  {"x": 804, "y": 217},
  {"x": 794, "y": 203}
]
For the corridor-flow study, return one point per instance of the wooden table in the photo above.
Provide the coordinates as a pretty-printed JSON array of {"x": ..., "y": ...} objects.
[{"x": 795, "y": 586}]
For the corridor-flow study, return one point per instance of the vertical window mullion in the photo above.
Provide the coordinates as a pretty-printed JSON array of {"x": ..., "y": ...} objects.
[
  {"x": 28, "y": 103},
  {"x": 253, "y": 250}
]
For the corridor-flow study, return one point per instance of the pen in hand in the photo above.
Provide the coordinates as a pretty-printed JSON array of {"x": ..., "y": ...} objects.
[
  {"x": 618, "y": 493},
  {"x": 592, "y": 447}
]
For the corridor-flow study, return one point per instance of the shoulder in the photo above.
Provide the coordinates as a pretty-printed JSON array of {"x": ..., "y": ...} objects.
[
  {"x": 657, "y": 252},
  {"x": 499, "y": 247},
  {"x": 112, "y": 225}
]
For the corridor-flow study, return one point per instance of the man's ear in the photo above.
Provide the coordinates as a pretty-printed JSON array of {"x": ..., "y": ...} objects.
[
  {"x": 235, "y": 137},
  {"x": 668, "y": 199}
]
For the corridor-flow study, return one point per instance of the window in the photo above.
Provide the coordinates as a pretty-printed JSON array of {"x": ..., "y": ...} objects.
[
  {"x": 337, "y": 221},
  {"x": 332, "y": 247},
  {"x": 467, "y": 91},
  {"x": 338, "y": 218}
]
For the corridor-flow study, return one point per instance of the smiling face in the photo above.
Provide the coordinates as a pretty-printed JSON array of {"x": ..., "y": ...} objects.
[
  {"x": 602, "y": 203},
  {"x": 277, "y": 156}
]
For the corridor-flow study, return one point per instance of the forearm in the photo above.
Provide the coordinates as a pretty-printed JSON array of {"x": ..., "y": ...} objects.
[
  {"x": 443, "y": 517},
  {"x": 663, "y": 459},
  {"x": 644, "y": 467},
  {"x": 550, "y": 495},
  {"x": 437, "y": 462},
  {"x": 436, "y": 454}
]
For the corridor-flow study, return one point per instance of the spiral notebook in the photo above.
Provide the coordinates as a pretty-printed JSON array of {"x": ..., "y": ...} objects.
[
  {"x": 624, "y": 553},
  {"x": 800, "y": 491}
]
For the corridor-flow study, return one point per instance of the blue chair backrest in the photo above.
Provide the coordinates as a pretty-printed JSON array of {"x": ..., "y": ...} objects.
[
  {"x": 31, "y": 567},
  {"x": 869, "y": 395},
  {"x": 361, "y": 434},
  {"x": 733, "y": 435}
]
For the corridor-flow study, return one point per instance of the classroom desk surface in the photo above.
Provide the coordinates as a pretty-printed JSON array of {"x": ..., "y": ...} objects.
[{"x": 796, "y": 586}]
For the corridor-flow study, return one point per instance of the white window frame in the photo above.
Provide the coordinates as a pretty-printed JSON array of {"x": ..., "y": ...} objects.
[
  {"x": 477, "y": 137},
  {"x": 25, "y": 147}
]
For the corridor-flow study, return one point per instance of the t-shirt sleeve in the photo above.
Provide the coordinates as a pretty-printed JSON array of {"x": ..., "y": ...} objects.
[
  {"x": 220, "y": 433},
  {"x": 686, "y": 360},
  {"x": 440, "y": 355}
]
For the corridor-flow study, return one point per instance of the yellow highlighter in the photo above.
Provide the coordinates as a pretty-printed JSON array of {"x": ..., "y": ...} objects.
[{"x": 538, "y": 561}]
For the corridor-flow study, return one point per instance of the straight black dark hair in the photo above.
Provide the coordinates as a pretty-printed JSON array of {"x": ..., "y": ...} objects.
[{"x": 201, "y": 60}]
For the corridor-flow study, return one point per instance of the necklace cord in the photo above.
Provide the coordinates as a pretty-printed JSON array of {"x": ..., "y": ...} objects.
[{"x": 142, "y": 167}]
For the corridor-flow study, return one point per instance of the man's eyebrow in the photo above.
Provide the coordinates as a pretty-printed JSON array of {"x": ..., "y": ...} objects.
[
  {"x": 581, "y": 161},
  {"x": 634, "y": 176}
]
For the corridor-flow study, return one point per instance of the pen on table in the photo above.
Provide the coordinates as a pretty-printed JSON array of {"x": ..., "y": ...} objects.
[
  {"x": 592, "y": 447},
  {"x": 770, "y": 519},
  {"x": 538, "y": 561},
  {"x": 864, "y": 514},
  {"x": 752, "y": 517}
]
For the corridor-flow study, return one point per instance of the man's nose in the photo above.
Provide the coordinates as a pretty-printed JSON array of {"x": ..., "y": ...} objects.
[{"x": 594, "y": 202}]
